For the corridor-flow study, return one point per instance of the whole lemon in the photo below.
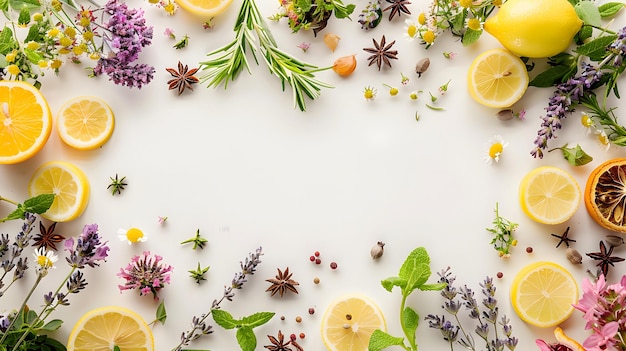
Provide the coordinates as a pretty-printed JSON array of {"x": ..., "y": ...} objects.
[{"x": 534, "y": 28}]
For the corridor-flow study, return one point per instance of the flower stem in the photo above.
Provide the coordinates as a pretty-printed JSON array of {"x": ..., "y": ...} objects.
[{"x": 21, "y": 310}]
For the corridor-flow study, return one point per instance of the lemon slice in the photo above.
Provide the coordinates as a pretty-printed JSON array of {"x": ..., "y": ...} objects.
[
  {"x": 543, "y": 294},
  {"x": 25, "y": 121},
  {"x": 69, "y": 185},
  {"x": 205, "y": 8},
  {"x": 497, "y": 78},
  {"x": 349, "y": 322},
  {"x": 85, "y": 122},
  {"x": 549, "y": 195},
  {"x": 107, "y": 327}
]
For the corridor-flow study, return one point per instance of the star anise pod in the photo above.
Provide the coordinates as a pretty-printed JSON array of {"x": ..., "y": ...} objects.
[
  {"x": 605, "y": 257},
  {"x": 397, "y": 7},
  {"x": 47, "y": 237},
  {"x": 183, "y": 78},
  {"x": 279, "y": 344},
  {"x": 381, "y": 53},
  {"x": 282, "y": 283}
]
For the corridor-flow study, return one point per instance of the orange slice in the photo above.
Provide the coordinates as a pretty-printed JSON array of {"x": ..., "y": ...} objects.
[
  {"x": 605, "y": 195},
  {"x": 25, "y": 121}
]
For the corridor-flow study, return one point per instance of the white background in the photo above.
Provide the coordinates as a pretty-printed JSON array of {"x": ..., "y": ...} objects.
[{"x": 248, "y": 170}]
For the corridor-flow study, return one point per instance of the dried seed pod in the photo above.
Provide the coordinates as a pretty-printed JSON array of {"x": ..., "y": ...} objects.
[
  {"x": 378, "y": 250},
  {"x": 421, "y": 66},
  {"x": 331, "y": 40},
  {"x": 574, "y": 256},
  {"x": 505, "y": 115},
  {"x": 344, "y": 66},
  {"x": 614, "y": 240}
]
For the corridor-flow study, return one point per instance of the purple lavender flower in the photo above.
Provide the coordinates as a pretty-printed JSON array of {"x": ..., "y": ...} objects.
[
  {"x": 562, "y": 102},
  {"x": 4, "y": 322},
  {"x": 89, "y": 249},
  {"x": 618, "y": 47},
  {"x": 128, "y": 34},
  {"x": 146, "y": 273}
]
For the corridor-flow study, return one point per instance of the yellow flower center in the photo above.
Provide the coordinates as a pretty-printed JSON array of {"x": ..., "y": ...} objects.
[
  {"x": 465, "y": 3},
  {"x": 44, "y": 261},
  {"x": 134, "y": 235},
  {"x": 13, "y": 70},
  {"x": 603, "y": 138},
  {"x": 421, "y": 19},
  {"x": 429, "y": 37},
  {"x": 586, "y": 121},
  {"x": 473, "y": 24},
  {"x": 411, "y": 30},
  {"x": 495, "y": 150}
]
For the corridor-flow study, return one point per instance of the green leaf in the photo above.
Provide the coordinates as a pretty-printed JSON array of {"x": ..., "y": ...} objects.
[
  {"x": 576, "y": 156},
  {"x": 24, "y": 17},
  {"x": 4, "y": 5},
  {"x": 19, "y": 5},
  {"x": 39, "y": 204},
  {"x": 7, "y": 42},
  {"x": 17, "y": 214},
  {"x": 592, "y": 47},
  {"x": 588, "y": 12},
  {"x": 381, "y": 340},
  {"x": 161, "y": 314},
  {"x": 224, "y": 319},
  {"x": 583, "y": 34},
  {"x": 390, "y": 282},
  {"x": 246, "y": 339},
  {"x": 610, "y": 8},
  {"x": 52, "y": 325},
  {"x": 33, "y": 56},
  {"x": 34, "y": 33},
  {"x": 116, "y": 348},
  {"x": 471, "y": 36},
  {"x": 415, "y": 269},
  {"x": 432, "y": 287},
  {"x": 257, "y": 319},
  {"x": 552, "y": 76},
  {"x": 71, "y": 3},
  {"x": 409, "y": 319}
]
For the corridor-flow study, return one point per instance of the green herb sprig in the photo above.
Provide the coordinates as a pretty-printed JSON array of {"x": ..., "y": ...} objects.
[
  {"x": 198, "y": 273},
  {"x": 244, "y": 326},
  {"x": 227, "y": 62},
  {"x": 576, "y": 156},
  {"x": 502, "y": 230},
  {"x": 198, "y": 241},
  {"x": 414, "y": 273},
  {"x": 117, "y": 184},
  {"x": 36, "y": 204}
]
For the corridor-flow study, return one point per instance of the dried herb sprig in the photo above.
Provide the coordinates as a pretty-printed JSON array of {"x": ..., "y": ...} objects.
[
  {"x": 198, "y": 273},
  {"x": 227, "y": 62},
  {"x": 503, "y": 234},
  {"x": 198, "y": 324},
  {"x": 198, "y": 241},
  {"x": 117, "y": 184}
]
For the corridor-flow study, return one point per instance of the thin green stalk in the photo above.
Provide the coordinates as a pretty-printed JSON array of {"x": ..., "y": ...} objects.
[
  {"x": 404, "y": 329},
  {"x": 21, "y": 309}
]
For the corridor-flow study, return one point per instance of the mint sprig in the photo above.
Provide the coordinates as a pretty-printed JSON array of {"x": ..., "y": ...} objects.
[
  {"x": 36, "y": 204},
  {"x": 413, "y": 275},
  {"x": 245, "y": 334}
]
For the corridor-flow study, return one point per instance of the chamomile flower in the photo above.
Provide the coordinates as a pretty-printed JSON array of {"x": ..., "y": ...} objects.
[
  {"x": 44, "y": 260},
  {"x": 587, "y": 122},
  {"x": 369, "y": 93},
  {"x": 421, "y": 19},
  {"x": 428, "y": 37},
  {"x": 132, "y": 235},
  {"x": 474, "y": 24},
  {"x": 410, "y": 29},
  {"x": 495, "y": 147},
  {"x": 603, "y": 139}
]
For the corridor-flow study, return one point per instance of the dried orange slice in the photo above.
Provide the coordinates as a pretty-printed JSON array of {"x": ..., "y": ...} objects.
[{"x": 605, "y": 195}]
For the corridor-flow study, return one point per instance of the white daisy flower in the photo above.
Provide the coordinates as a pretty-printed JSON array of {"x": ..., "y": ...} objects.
[
  {"x": 132, "y": 235},
  {"x": 603, "y": 139},
  {"x": 587, "y": 122},
  {"x": 44, "y": 260},
  {"x": 410, "y": 29},
  {"x": 495, "y": 147}
]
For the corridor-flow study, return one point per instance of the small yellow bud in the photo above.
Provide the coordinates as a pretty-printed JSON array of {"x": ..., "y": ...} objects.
[
  {"x": 37, "y": 17},
  {"x": 10, "y": 57},
  {"x": 56, "y": 64},
  {"x": 84, "y": 22},
  {"x": 70, "y": 32},
  {"x": 32, "y": 45},
  {"x": 42, "y": 64},
  {"x": 54, "y": 32},
  {"x": 13, "y": 70},
  {"x": 65, "y": 41},
  {"x": 88, "y": 35}
]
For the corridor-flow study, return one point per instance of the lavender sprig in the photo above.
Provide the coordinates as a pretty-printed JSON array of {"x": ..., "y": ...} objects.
[
  {"x": 198, "y": 325},
  {"x": 10, "y": 253}
]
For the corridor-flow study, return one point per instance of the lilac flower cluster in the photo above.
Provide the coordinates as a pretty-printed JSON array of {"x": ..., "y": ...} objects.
[
  {"x": 198, "y": 324},
  {"x": 147, "y": 273},
  {"x": 88, "y": 250},
  {"x": 604, "y": 308},
  {"x": 486, "y": 318},
  {"x": 562, "y": 102},
  {"x": 128, "y": 34},
  {"x": 10, "y": 254}
]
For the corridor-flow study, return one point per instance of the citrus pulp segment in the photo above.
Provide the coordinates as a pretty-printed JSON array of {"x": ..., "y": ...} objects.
[
  {"x": 103, "y": 328},
  {"x": 25, "y": 121},
  {"x": 69, "y": 185},
  {"x": 543, "y": 294},
  {"x": 549, "y": 195},
  {"x": 565, "y": 340},
  {"x": 605, "y": 194},
  {"x": 205, "y": 8},
  {"x": 497, "y": 78},
  {"x": 349, "y": 322},
  {"x": 85, "y": 122}
]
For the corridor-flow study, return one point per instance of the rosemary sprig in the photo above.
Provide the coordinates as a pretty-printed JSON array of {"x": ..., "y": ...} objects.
[{"x": 227, "y": 62}]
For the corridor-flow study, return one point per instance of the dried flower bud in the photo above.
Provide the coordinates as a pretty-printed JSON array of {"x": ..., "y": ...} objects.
[
  {"x": 614, "y": 240},
  {"x": 505, "y": 115},
  {"x": 421, "y": 66},
  {"x": 331, "y": 40},
  {"x": 344, "y": 66},
  {"x": 378, "y": 250},
  {"x": 574, "y": 256}
]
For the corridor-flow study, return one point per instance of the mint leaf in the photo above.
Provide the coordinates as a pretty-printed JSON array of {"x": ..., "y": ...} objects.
[
  {"x": 39, "y": 204},
  {"x": 432, "y": 287},
  {"x": 415, "y": 269},
  {"x": 7, "y": 43},
  {"x": 470, "y": 36},
  {"x": 381, "y": 340},
  {"x": 390, "y": 282},
  {"x": 161, "y": 314},
  {"x": 597, "y": 47},
  {"x": 246, "y": 339},
  {"x": 116, "y": 348},
  {"x": 52, "y": 325},
  {"x": 17, "y": 214},
  {"x": 224, "y": 319},
  {"x": 409, "y": 319},
  {"x": 610, "y": 8},
  {"x": 552, "y": 76},
  {"x": 24, "y": 17},
  {"x": 588, "y": 12},
  {"x": 256, "y": 319},
  {"x": 576, "y": 156}
]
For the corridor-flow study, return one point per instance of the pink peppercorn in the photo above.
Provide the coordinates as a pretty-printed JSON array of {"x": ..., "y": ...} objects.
[
  {"x": 312, "y": 258},
  {"x": 292, "y": 337},
  {"x": 318, "y": 261},
  {"x": 500, "y": 275},
  {"x": 302, "y": 335},
  {"x": 317, "y": 254},
  {"x": 311, "y": 310},
  {"x": 333, "y": 265}
]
